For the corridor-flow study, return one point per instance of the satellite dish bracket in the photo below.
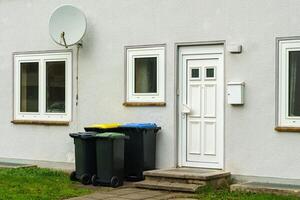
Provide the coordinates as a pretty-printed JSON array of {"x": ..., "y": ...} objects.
[
  {"x": 79, "y": 44},
  {"x": 62, "y": 36}
]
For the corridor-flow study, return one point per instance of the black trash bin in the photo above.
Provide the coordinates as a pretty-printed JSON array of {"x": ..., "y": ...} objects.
[
  {"x": 140, "y": 149},
  {"x": 85, "y": 157},
  {"x": 110, "y": 159}
]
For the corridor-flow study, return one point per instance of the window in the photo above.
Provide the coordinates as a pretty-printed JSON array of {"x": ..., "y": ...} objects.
[
  {"x": 210, "y": 73},
  {"x": 195, "y": 73},
  {"x": 145, "y": 74},
  {"x": 42, "y": 86},
  {"x": 289, "y": 83}
]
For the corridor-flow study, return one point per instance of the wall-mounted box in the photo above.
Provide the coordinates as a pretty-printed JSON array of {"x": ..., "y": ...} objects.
[
  {"x": 235, "y": 93},
  {"x": 234, "y": 48}
]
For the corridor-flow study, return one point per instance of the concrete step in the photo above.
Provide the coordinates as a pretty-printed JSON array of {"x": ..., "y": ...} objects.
[
  {"x": 175, "y": 180},
  {"x": 169, "y": 186},
  {"x": 183, "y": 179},
  {"x": 271, "y": 188},
  {"x": 188, "y": 173}
]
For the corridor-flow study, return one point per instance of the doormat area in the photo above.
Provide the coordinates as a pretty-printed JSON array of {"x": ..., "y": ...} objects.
[{"x": 15, "y": 165}]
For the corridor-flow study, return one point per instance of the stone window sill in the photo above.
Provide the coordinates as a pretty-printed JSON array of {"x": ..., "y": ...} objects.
[
  {"x": 141, "y": 104},
  {"x": 287, "y": 129},
  {"x": 37, "y": 122}
]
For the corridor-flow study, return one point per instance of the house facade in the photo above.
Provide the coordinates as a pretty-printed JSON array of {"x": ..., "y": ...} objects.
[{"x": 169, "y": 62}]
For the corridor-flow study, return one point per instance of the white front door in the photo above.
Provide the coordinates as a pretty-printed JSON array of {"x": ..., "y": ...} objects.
[{"x": 201, "y": 106}]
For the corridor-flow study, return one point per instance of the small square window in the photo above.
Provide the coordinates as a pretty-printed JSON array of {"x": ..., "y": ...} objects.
[
  {"x": 210, "y": 73},
  {"x": 145, "y": 74},
  {"x": 195, "y": 73}
]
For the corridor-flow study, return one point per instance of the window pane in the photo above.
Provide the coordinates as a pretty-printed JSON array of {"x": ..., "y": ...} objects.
[
  {"x": 29, "y": 100},
  {"x": 210, "y": 72},
  {"x": 195, "y": 73},
  {"x": 55, "y": 87},
  {"x": 145, "y": 75},
  {"x": 294, "y": 83}
]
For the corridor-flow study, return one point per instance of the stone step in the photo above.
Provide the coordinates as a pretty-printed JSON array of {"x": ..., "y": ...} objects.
[
  {"x": 175, "y": 180},
  {"x": 169, "y": 186},
  {"x": 188, "y": 173},
  {"x": 271, "y": 188}
]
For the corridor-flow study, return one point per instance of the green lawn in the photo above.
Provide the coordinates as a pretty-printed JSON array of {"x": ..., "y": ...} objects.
[
  {"x": 46, "y": 184},
  {"x": 37, "y": 184},
  {"x": 225, "y": 194}
]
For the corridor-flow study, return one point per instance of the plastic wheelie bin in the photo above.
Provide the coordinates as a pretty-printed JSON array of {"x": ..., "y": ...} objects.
[
  {"x": 85, "y": 157},
  {"x": 140, "y": 149},
  {"x": 110, "y": 159}
]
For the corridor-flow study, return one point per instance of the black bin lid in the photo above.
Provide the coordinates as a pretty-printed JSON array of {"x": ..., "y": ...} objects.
[{"x": 83, "y": 135}]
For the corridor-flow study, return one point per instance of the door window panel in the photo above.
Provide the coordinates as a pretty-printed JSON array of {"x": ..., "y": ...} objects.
[
  {"x": 195, "y": 73},
  {"x": 210, "y": 73}
]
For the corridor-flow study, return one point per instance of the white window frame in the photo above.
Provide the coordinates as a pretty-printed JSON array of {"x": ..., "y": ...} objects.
[
  {"x": 284, "y": 47},
  {"x": 42, "y": 58},
  {"x": 143, "y": 52}
]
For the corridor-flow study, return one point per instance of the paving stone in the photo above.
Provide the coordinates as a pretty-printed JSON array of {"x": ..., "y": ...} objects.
[
  {"x": 171, "y": 195},
  {"x": 101, "y": 195},
  {"x": 154, "y": 192},
  {"x": 126, "y": 191},
  {"x": 132, "y": 194},
  {"x": 184, "y": 199},
  {"x": 81, "y": 198},
  {"x": 137, "y": 196}
]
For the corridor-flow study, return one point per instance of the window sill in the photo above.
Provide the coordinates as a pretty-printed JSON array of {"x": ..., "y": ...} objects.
[
  {"x": 141, "y": 104},
  {"x": 287, "y": 129},
  {"x": 37, "y": 122}
]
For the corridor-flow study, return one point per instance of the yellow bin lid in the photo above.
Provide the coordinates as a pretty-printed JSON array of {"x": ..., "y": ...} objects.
[{"x": 104, "y": 126}]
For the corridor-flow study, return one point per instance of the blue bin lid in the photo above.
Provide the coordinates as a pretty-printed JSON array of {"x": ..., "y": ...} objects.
[{"x": 140, "y": 125}]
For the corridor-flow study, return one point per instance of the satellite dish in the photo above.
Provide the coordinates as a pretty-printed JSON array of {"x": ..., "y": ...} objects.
[{"x": 67, "y": 25}]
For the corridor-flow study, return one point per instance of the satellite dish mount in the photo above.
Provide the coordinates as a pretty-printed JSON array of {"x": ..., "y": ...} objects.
[{"x": 62, "y": 35}]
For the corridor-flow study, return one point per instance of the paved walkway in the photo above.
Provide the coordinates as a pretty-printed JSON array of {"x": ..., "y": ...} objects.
[{"x": 134, "y": 194}]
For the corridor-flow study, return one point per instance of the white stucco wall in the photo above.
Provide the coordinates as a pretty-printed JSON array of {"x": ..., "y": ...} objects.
[{"x": 252, "y": 147}]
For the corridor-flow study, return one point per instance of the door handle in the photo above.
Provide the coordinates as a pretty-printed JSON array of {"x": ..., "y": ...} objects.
[{"x": 185, "y": 109}]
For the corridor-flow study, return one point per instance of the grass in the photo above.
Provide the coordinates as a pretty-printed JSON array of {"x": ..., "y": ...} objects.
[
  {"x": 37, "y": 184},
  {"x": 46, "y": 184},
  {"x": 224, "y": 194}
]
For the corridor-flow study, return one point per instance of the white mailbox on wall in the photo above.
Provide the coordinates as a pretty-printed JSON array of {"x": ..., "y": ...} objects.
[{"x": 235, "y": 93}]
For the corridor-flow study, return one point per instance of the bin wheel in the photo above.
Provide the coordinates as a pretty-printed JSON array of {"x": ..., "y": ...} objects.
[
  {"x": 85, "y": 179},
  {"x": 73, "y": 176},
  {"x": 114, "y": 181},
  {"x": 94, "y": 180}
]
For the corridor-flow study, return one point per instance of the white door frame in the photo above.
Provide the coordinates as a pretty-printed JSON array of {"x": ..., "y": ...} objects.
[{"x": 207, "y": 48}]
